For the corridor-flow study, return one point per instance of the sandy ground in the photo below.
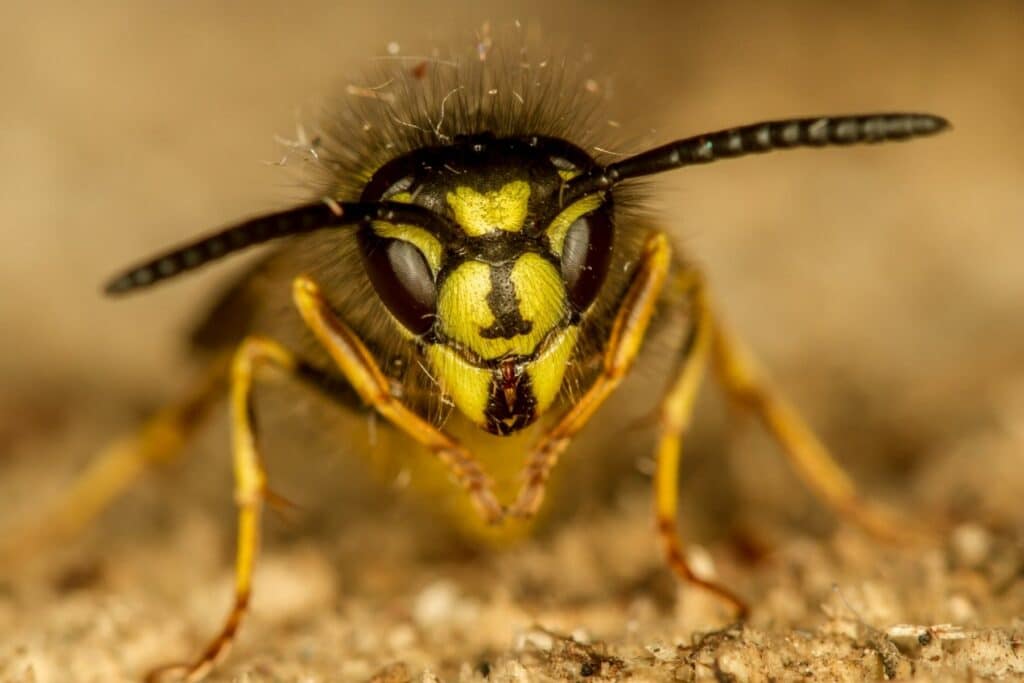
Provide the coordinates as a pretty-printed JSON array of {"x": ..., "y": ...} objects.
[{"x": 883, "y": 288}]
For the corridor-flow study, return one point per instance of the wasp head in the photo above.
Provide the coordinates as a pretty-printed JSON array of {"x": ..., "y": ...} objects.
[{"x": 495, "y": 291}]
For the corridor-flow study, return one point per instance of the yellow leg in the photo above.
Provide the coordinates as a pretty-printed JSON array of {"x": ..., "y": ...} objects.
[
  {"x": 361, "y": 370},
  {"x": 250, "y": 492},
  {"x": 805, "y": 452},
  {"x": 674, "y": 417},
  {"x": 624, "y": 342},
  {"x": 160, "y": 439}
]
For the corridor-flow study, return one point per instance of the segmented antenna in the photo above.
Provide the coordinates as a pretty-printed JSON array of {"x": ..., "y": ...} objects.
[
  {"x": 756, "y": 138},
  {"x": 295, "y": 221}
]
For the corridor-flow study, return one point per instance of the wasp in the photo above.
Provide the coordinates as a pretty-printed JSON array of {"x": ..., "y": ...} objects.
[{"x": 470, "y": 271}]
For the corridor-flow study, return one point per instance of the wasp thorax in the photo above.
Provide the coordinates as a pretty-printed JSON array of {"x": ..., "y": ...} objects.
[{"x": 495, "y": 290}]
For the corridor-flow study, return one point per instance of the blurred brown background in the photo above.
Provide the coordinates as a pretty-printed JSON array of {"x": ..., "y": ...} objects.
[
  {"x": 883, "y": 287},
  {"x": 131, "y": 126}
]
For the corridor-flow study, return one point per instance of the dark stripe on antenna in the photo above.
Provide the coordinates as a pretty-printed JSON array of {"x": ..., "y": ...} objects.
[
  {"x": 819, "y": 131},
  {"x": 295, "y": 221}
]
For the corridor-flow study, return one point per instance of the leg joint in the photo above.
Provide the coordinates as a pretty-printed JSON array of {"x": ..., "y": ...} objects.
[{"x": 256, "y": 349}]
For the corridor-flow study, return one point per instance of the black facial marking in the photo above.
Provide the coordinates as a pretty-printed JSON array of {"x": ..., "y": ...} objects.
[
  {"x": 511, "y": 404},
  {"x": 485, "y": 163},
  {"x": 504, "y": 305}
]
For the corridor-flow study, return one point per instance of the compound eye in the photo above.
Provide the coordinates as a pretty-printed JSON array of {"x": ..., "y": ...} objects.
[
  {"x": 403, "y": 280},
  {"x": 586, "y": 253}
]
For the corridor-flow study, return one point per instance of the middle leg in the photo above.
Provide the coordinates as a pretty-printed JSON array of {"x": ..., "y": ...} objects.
[
  {"x": 674, "y": 416},
  {"x": 250, "y": 493},
  {"x": 808, "y": 456}
]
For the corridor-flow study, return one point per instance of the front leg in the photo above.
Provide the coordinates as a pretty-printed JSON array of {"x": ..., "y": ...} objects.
[
  {"x": 674, "y": 416},
  {"x": 364, "y": 375},
  {"x": 361, "y": 370},
  {"x": 624, "y": 342}
]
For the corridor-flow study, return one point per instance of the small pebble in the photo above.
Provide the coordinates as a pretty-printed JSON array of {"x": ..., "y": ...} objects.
[
  {"x": 971, "y": 545},
  {"x": 435, "y": 604}
]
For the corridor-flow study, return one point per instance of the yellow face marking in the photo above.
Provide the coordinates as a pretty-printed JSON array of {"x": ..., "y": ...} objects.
[
  {"x": 548, "y": 369},
  {"x": 468, "y": 385},
  {"x": 541, "y": 295},
  {"x": 462, "y": 306},
  {"x": 463, "y": 310},
  {"x": 428, "y": 245},
  {"x": 480, "y": 213},
  {"x": 560, "y": 226}
]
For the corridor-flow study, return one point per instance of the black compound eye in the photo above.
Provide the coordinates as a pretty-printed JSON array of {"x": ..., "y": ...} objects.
[
  {"x": 402, "y": 278},
  {"x": 586, "y": 253}
]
